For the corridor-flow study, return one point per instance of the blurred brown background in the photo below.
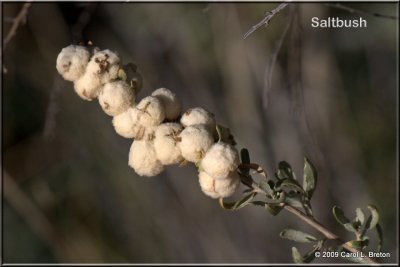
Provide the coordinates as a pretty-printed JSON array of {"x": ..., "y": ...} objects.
[{"x": 69, "y": 195}]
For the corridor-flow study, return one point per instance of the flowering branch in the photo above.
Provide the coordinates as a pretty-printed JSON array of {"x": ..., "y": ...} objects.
[{"x": 163, "y": 136}]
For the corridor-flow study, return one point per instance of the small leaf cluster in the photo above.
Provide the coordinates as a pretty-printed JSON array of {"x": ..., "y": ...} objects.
[
  {"x": 360, "y": 226},
  {"x": 285, "y": 189}
]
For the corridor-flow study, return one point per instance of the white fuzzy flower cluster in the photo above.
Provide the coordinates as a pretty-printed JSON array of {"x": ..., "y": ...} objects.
[
  {"x": 162, "y": 136},
  {"x": 96, "y": 75}
]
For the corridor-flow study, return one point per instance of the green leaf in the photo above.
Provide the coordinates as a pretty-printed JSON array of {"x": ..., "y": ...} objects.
[
  {"x": 136, "y": 81},
  {"x": 238, "y": 204},
  {"x": 224, "y": 135},
  {"x": 380, "y": 237},
  {"x": 310, "y": 256},
  {"x": 349, "y": 227},
  {"x": 358, "y": 244},
  {"x": 266, "y": 187},
  {"x": 366, "y": 226},
  {"x": 339, "y": 215},
  {"x": 271, "y": 184},
  {"x": 296, "y": 255},
  {"x": 290, "y": 183},
  {"x": 122, "y": 74},
  {"x": 307, "y": 208},
  {"x": 309, "y": 178},
  {"x": 375, "y": 216},
  {"x": 198, "y": 166},
  {"x": 294, "y": 201},
  {"x": 258, "y": 203},
  {"x": 285, "y": 171},
  {"x": 245, "y": 156},
  {"x": 360, "y": 216},
  {"x": 278, "y": 198},
  {"x": 253, "y": 166},
  {"x": 273, "y": 209},
  {"x": 297, "y": 236},
  {"x": 356, "y": 224},
  {"x": 133, "y": 77}
]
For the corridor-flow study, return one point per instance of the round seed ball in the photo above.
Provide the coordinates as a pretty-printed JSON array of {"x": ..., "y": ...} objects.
[
  {"x": 142, "y": 158},
  {"x": 170, "y": 101},
  {"x": 116, "y": 97},
  {"x": 72, "y": 61},
  {"x": 149, "y": 111},
  {"x": 104, "y": 66},
  {"x": 166, "y": 143},
  {"x": 87, "y": 87},
  {"x": 195, "y": 116},
  {"x": 195, "y": 141},
  {"x": 124, "y": 124},
  {"x": 220, "y": 160},
  {"x": 219, "y": 188},
  {"x": 127, "y": 125}
]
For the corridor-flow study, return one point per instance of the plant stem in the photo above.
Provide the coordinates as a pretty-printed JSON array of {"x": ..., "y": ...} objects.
[{"x": 328, "y": 234}]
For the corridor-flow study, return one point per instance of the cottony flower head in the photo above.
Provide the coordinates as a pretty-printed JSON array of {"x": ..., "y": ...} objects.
[
  {"x": 149, "y": 111},
  {"x": 196, "y": 116},
  {"x": 142, "y": 158},
  {"x": 194, "y": 142},
  {"x": 170, "y": 101},
  {"x": 72, "y": 62},
  {"x": 102, "y": 68},
  {"x": 220, "y": 160},
  {"x": 127, "y": 125},
  {"x": 219, "y": 188},
  {"x": 116, "y": 97},
  {"x": 166, "y": 143}
]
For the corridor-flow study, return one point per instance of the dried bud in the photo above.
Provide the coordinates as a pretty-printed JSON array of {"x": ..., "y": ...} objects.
[
  {"x": 104, "y": 65},
  {"x": 133, "y": 77}
]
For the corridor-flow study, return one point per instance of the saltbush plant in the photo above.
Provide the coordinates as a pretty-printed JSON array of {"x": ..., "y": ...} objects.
[{"x": 163, "y": 135}]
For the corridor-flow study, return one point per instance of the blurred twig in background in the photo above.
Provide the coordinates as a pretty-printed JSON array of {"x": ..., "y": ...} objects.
[
  {"x": 19, "y": 19},
  {"x": 270, "y": 14},
  {"x": 32, "y": 215},
  {"x": 272, "y": 61},
  {"x": 265, "y": 21},
  {"x": 361, "y": 12}
]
